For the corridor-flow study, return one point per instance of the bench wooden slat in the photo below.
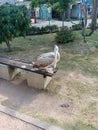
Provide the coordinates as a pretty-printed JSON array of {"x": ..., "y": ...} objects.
[{"x": 17, "y": 63}]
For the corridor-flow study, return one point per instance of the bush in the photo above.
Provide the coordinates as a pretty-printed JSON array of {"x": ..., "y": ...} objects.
[
  {"x": 51, "y": 28},
  {"x": 54, "y": 28},
  {"x": 33, "y": 30},
  {"x": 42, "y": 30},
  {"x": 65, "y": 35},
  {"x": 77, "y": 26},
  {"x": 47, "y": 29}
]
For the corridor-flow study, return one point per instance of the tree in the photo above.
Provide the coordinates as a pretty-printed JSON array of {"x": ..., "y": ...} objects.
[
  {"x": 36, "y": 3},
  {"x": 84, "y": 18},
  {"x": 94, "y": 17},
  {"x": 64, "y": 6},
  {"x": 61, "y": 7},
  {"x": 14, "y": 22}
]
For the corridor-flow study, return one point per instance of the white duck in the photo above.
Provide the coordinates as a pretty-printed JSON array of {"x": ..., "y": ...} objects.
[{"x": 48, "y": 60}]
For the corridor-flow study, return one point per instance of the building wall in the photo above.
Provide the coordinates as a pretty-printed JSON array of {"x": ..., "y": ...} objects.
[
  {"x": 10, "y": 1},
  {"x": 76, "y": 9}
]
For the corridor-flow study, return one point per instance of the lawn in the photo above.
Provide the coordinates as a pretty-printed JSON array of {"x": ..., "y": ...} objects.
[{"x": 75, "y": 83}]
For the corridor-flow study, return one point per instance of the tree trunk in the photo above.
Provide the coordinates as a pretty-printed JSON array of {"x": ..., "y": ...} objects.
[
  {"x": 8, "y": 43},
  {"x": 94, "y": 17},
  {"x": 83, "y": 31},
  {"x": 63, "y": 18},
  {"x": 84, "y": 22},
  {"x": 69, "y": 13}
]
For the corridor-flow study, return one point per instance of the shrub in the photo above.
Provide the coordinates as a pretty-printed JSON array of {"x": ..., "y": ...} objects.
[
  {"x": 47, "y": 29},
  {"x": 54, "y": 28},
  {"x": 51, "y": 28},
  {"x": 65, "y": 35},
  {"x": 77, "y": 26},
  {"x": 33, "y": 30},
  {"x": 42, "y": 30}
]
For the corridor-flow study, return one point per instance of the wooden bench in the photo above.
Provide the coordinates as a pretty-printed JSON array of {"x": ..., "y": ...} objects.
[{"x": 35, "y": 77}]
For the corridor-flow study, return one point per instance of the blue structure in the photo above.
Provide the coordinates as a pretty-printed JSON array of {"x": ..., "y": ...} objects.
[
  {"x": 76, "y": 9},
  {"x": 89, "y": 2},
  {"x": 45, "y": 12}
]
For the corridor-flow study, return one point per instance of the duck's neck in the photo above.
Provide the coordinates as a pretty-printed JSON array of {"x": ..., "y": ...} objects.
[{"x": 55, "y": 60}]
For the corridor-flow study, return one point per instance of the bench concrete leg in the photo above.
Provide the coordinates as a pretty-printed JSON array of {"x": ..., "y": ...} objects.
[
  {"x": 13, "y": 72},
  {"x": 37, "y": 80},
  {"x": 47, "y": 81},
  {"x": 8, "y": 72},
  {"x": 4, "y": 72}
]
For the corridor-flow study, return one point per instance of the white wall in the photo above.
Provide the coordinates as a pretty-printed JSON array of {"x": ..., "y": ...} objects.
[{"x": 10, "y": 1}]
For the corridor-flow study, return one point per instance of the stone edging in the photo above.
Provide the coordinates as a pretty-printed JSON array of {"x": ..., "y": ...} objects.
[{"x": 28, "y": 119}]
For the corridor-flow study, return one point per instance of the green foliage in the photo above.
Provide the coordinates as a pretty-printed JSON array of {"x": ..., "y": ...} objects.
[
  {"x": 77, "y": 26},
  {"x": 56, "y": 7},
  {"x": 33, "y": 30},
  {"x": 14, "y": 21},
  {"x": 47, "y": 29},
  {"x": 64, "y": 5},
  {"x": 36, "y": 3},
  {"x": 61, "y": 6},
  {"x": 54, "y": 28},
  {"x": 65, "y": 35}
]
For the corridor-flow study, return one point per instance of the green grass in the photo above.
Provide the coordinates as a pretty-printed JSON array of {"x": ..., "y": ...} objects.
[
  {"x": 78, "y": 125},
  {"x": 77, "y": 79},
  {"x": 72, "y": 54}
]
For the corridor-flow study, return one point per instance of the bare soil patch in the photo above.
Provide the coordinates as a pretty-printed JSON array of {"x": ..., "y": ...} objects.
[{"x": 67, "y": 100}]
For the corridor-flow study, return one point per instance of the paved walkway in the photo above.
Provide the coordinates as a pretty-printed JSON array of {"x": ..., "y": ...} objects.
[
  {"x": 41, "y": 23},
  {"x": 11, "y": 123}
]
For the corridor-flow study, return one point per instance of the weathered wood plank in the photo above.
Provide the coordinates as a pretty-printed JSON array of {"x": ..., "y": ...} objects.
[{"x": 28, "y": 66}]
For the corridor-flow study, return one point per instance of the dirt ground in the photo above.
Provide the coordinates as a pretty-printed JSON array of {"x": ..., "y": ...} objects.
[
  {"x": 63, "y": 102},
  {"x": 26, "y": 99},
  {"x": 18, "y": 96}
]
